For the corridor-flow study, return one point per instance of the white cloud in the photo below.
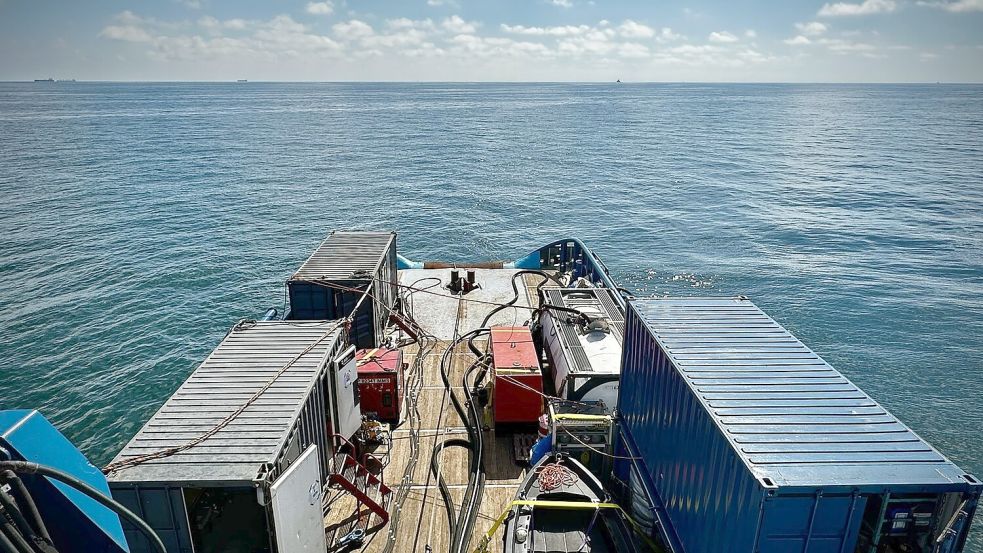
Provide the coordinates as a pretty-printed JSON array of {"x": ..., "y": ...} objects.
[
  {"x": 562, "y": 3},
  {"x": 193, "y": 4},
  {"x": 812, "y": 28},
  {"x": 751, "y": 33},
  {"x": 722, "y": 37},
  {"x": 215, "y": 25},
  {"x": 127, "y": 33},
  {"x": 632, "y": 29},
  {"x": 352, "y": 30},
  {"x": 799, "y": 40},
  {"x": 320, "y": 8},
  {"x": 866, "y": 7},
  {"x": 437, "y": 3},
  {"x": 633, "y": 50},
  {"x": 562, "y": 30},
  {"x": 666, "y": 34},
  {"x": 956, "y": 6},
  {"x": 284, "y": 42},
  {"x": 406, "y": 23},
  {"x": 844, "y": 46},
  {"x": 457, "y": 25}
]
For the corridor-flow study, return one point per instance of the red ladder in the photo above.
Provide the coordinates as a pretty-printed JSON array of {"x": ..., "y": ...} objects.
[{"x": 367, "y": 488}]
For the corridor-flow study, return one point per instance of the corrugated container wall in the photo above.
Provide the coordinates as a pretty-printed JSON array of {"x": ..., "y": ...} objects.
[
  {"x": 251, "y": 451},
  {"x": 328, "y": 285},
  {"x": 749, "y": 442}
]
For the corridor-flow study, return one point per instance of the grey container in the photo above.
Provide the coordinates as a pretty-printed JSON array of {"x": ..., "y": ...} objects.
[
  {"x": 181, "y": 495},
  {"x": 747, "y": 441},
  {"x": 348, "y": 260}
]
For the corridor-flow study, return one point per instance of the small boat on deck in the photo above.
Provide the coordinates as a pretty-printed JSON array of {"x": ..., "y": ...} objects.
[{"x": 562, "y": 506}]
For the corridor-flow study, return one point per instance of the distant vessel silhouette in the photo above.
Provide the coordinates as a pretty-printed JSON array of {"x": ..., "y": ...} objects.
[{"x": 48, "y": 80}]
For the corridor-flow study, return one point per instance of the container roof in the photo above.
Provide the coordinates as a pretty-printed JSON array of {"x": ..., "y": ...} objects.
[
  {"x": 343, "y": 253},
  {"x": 789, "y": 415},
  {"x": 246, "y": 360}
]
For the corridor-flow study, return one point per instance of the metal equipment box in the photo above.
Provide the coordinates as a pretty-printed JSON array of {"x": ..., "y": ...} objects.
[
  {"x": 518, "y": 379},
  {"x": 747, "y": 441},
  {"x": 331, "y": 282},
  {"x": 585, "y": 359},
  {"x": 265, "y": 389},
  {"x": 584, "y": 431},
  {"x": 381, "y": 383}
]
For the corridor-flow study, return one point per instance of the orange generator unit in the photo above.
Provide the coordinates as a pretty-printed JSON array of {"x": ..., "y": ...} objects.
[
  {"x": 517, "y": 396},
  {"x": 380, "y": 383}
]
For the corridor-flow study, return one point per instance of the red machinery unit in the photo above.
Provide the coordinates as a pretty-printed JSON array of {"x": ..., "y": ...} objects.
[
  {"x": 380, "y": 383},
  {"x": 516, "y": 370}
]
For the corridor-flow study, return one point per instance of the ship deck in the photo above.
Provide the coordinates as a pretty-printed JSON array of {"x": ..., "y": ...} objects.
[{"x": 418, "y": 521}]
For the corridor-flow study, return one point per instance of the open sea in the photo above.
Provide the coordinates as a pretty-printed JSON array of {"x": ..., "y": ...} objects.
[{"x": 138, "y": 222}]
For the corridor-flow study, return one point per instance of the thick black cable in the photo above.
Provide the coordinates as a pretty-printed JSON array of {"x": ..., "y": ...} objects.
[
  {"x": 24, "y": 497},
  {"x": 6, "y": 546},
  {"x": 23, "y": 467},
  {"x": 478, "y": 490},
  {"x": 445, "y": 492},
  {"x": 9, "y": 531},
  {"x": 515, "y": 288},
  {"x": 20, "y": 523}
]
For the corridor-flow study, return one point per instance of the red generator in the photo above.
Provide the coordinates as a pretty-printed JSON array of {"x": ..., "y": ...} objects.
[
  {"x": 518, "y": 379},
  {"x": 380, "y": 383}
]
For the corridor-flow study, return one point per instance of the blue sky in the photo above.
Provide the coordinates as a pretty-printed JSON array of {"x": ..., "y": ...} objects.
[{"x": 469, "y": 40}]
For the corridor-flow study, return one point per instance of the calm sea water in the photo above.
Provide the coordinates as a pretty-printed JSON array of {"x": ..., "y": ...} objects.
[{"x": 139, "y": 221}]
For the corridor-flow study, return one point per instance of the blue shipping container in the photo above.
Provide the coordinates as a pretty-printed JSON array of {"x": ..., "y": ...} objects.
[
  {"x": 747, "y": 441},
  {"x": 331, "y": 281}
]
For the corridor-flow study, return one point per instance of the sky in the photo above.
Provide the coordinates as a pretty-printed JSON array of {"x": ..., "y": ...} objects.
[{"x": 500, "y": 40}]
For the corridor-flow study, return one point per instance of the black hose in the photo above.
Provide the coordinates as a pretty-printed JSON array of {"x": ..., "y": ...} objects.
[
  {"x": 445, "y": 492},
  {"x": 23, "y": 467},
  {"x": 24, "y": 496},
  {"x": 20, "y": 523},
  {"x": 466, "y": 517},
  {"x": 9, "y": 531},
  {"x": 476, "y": 483},
  {"x": 515, "y": 288},
  {"x": 6, "y": 546}
]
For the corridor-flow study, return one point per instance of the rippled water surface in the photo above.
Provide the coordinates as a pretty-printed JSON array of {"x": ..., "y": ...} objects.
[{"x": 139, "y": 221}]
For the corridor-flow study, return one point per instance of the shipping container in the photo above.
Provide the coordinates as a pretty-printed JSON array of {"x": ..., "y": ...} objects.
[
  {"x": 747, "y": 441},
  {"x": 381, "y": 383},
  {"x": 268, "y": 383},
  {"x": 584, "y": 356},
  {"x": 331, "y": 282},
  {"x": 518, "y": 380}
]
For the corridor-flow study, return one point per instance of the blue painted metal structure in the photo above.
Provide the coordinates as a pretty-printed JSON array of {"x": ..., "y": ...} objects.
[
  {"x": 569, "y": 254},
  {"x": 77, "y": 523},
  {"x": 748, "y": 441}
]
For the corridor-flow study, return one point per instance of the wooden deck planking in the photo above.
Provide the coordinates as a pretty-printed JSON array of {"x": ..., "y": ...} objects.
[{"x": 422, "y": 520}]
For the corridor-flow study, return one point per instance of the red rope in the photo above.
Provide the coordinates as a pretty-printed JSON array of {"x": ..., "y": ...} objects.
[{"x": 553, "y": 475}]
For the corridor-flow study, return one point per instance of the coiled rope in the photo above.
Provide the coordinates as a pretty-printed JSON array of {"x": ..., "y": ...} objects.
[{"x": 551, "y": 476}]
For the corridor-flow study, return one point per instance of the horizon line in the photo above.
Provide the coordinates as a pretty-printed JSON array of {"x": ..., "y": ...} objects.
[{"x": 382, "y": 81}]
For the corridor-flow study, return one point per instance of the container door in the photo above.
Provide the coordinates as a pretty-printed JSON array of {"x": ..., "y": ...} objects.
[
  {"x": 347, "y": 413},
  {"x": 296, "y": 500}
]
